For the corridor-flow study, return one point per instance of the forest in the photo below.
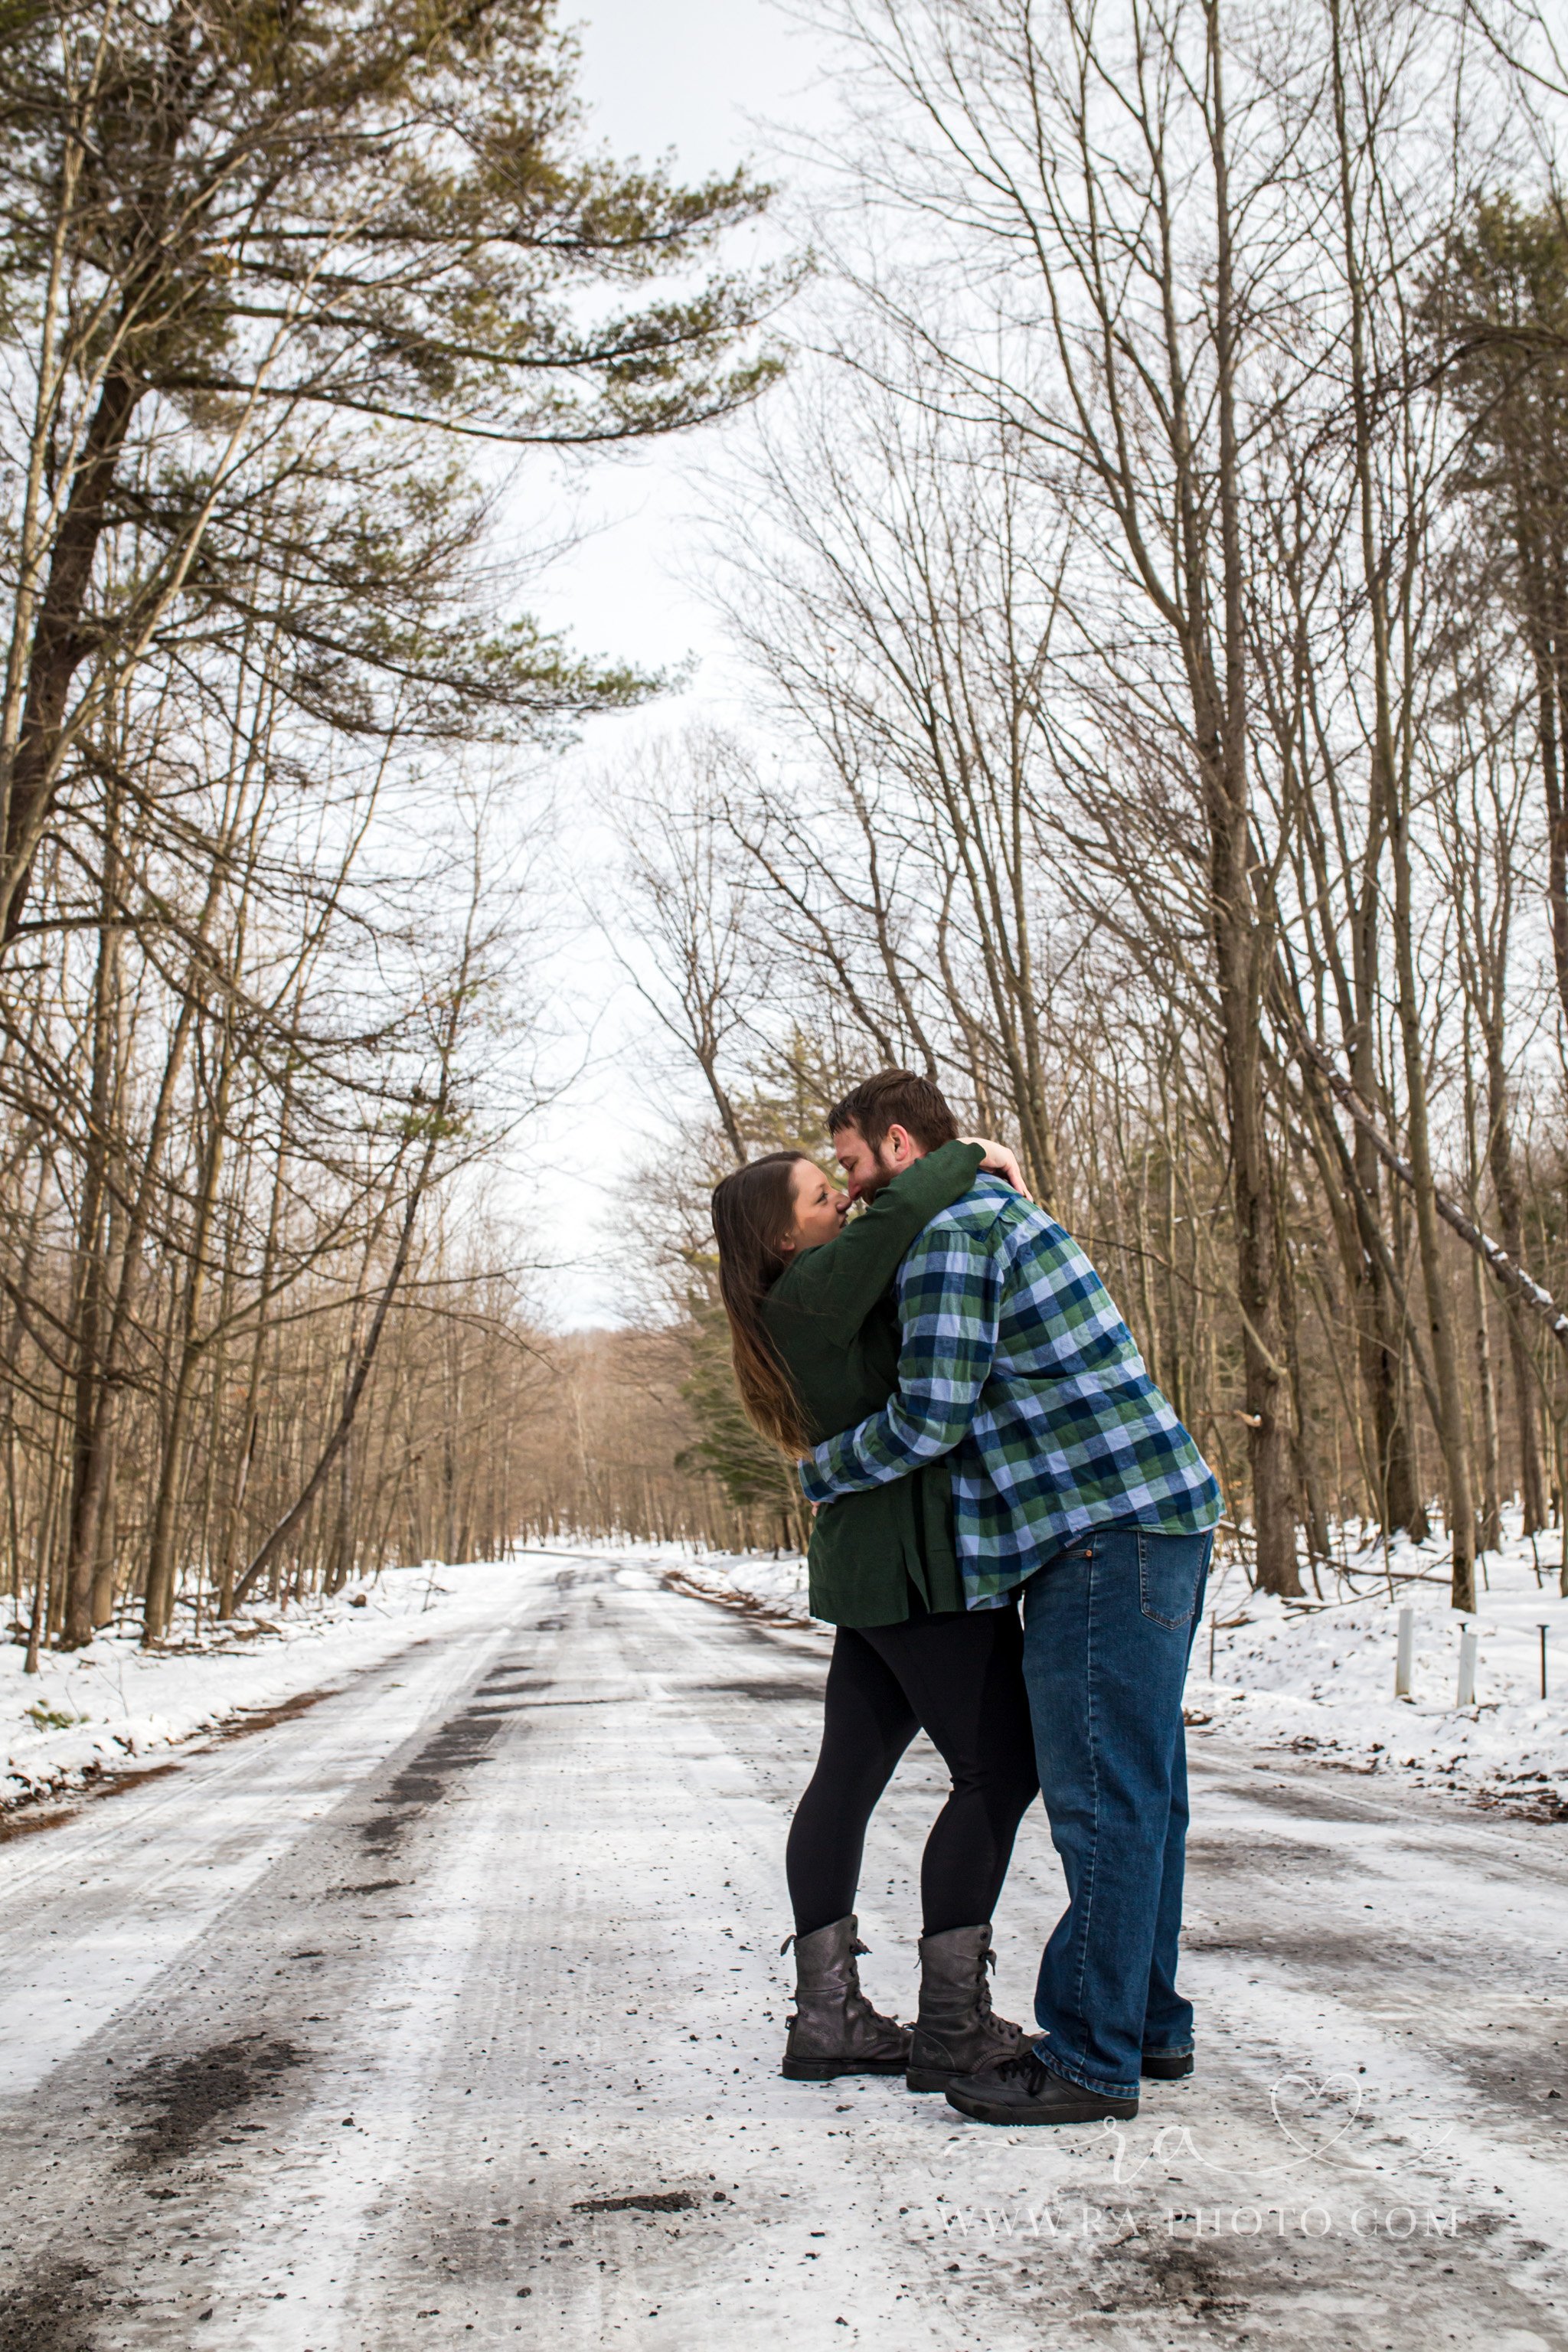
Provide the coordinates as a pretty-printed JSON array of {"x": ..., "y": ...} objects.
[{"x": 1136, "y": 489}]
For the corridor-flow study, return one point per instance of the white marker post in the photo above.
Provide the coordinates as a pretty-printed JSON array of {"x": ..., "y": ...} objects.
[
  {"x": 1465, "y": 1694},
  {"x": 1405, "y": 1661}
]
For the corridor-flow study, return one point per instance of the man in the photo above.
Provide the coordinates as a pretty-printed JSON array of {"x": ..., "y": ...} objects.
[
  {"x": 1073, "y": 1479},
  {"x": 816, "y": 1346}
]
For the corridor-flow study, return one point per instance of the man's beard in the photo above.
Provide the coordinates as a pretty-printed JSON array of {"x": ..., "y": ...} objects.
[{"x": 870, "y": 1186}]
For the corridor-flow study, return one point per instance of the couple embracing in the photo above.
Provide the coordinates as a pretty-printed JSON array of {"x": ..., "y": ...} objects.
[{"x": 1012, "y": 1535}]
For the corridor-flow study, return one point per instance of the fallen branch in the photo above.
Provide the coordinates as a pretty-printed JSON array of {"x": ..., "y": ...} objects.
[{"x": 1510, "y": 1276}]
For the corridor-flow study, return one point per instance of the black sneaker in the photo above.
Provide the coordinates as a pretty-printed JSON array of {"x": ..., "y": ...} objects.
[
  {"x": 1166, "y": 2065},
  {"x": 1022, "y": 2091}
]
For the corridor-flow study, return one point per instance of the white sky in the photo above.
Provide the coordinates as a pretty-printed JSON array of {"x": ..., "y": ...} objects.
[{"x": 701, "y": 79}]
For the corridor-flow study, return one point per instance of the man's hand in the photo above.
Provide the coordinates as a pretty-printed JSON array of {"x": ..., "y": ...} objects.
[{"x": 999, "y": 1161}]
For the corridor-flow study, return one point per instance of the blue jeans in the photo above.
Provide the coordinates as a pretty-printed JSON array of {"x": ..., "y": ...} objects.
[{"x": 1107, "y": 1625}]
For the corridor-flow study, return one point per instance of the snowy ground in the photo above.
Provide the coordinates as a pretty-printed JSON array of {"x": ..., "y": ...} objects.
[
  {"x": 1318, "y": 1678},
  {"x": 452, "y": 2006},
  {"x": 94, "y": 1712}
]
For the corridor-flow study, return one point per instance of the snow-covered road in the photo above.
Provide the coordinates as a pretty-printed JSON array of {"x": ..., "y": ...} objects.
[{"x": 453, "y": 2006}]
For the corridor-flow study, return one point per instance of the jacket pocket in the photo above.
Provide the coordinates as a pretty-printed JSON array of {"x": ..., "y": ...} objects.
[{"x": 1170, "y": 1572}]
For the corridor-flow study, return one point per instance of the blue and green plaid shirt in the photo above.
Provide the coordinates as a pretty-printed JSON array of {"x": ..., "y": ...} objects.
[{"x": 1016, "y": 1361}]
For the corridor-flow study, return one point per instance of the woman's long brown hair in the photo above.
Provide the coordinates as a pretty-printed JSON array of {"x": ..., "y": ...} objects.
[{"x": 753, "y": 1213}]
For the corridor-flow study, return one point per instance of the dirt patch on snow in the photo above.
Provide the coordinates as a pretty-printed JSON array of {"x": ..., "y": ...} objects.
[
  {"x": 766, "y": 1694},
  {"x": 247, "y": 1719},
  {"x": 180, "y": 2097},
  {"x": 44, "y": 1811},
  {"x": 31, "y": 1814},
  {"x": 463, "y": 1741},
  {"x": 53, "y": 2312},
  {"x": 640, "y": 2201}
]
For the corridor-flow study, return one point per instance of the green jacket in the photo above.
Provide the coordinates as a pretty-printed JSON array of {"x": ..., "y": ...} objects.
[{"x": 833, "y": 1318}]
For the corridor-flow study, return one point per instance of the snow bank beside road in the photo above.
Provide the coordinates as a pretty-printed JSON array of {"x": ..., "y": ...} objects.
[
  {"x": 765, "y": 1584},
  {"x": 90, "y": 1712},
  {"x": 1319, "y": 1679}
]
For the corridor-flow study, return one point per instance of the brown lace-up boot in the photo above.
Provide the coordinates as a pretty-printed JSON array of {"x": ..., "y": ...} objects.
[
  {"x": 957, "y": 2031},
  {"x": 835, "y": 2029}
]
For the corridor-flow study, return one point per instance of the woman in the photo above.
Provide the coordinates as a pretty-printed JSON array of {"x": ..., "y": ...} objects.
[{"x": 816, "y": 1343}]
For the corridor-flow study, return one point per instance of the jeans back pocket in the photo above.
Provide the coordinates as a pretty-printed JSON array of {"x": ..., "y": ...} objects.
[{"x": 1170, "y": 1572}]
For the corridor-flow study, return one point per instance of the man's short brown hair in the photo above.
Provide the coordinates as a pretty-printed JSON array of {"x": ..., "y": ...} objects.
[{"x": 895, "y": 1098}]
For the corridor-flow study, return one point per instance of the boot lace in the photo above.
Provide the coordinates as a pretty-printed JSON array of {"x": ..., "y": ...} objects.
[
  {"x": 1000, "y": 2030},
  {"x": 987, "y": 1969},
  {"x": 1026, "y": 2069}
]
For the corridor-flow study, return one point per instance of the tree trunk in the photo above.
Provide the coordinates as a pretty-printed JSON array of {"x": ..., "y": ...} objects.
[
  {"x": 1243, "y": 946},
  {"x": 60, "y": 643},
  {"x": 1489, "y": 1536},
  {"x": 1549, "y": 658},
  {"x": 1440, "y": 1329},
  {"x": 1511, "y": 1220},
  {"x": 1313, "y": 1514},
  {"x": 92, "y": 1449},
  {"x": 162, "y": 1563},
  {"x": 1380, "y": 1325},
  {"x": 1389, "y": 800}
]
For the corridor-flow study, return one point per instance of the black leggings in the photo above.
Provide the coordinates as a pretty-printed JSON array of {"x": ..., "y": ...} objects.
[{"x": 959, "y": 1678}]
